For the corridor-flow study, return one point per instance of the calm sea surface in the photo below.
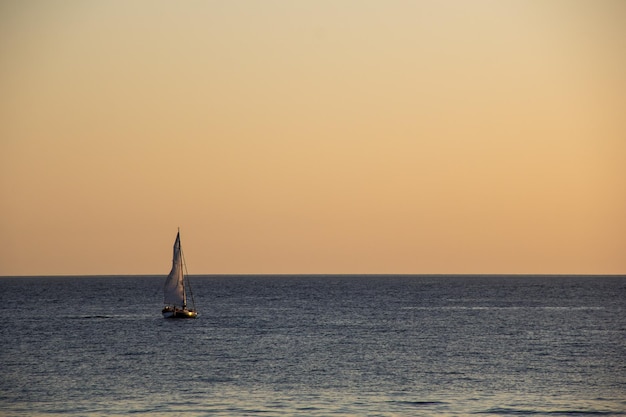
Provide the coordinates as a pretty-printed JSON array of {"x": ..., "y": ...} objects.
[{"x": 315, "y": 346}]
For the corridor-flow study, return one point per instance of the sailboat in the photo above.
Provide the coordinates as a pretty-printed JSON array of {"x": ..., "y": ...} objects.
[{"x": 176, "y": 288}]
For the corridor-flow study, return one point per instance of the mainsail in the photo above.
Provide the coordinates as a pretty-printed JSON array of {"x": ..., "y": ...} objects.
[{"x": 174, "y": 286}]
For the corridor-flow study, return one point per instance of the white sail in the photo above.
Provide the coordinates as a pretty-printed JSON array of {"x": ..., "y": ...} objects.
[{"x": 174, "y": 286}]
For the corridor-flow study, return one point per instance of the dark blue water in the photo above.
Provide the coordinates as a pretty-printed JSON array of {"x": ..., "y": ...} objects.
[{"x": 315, "y": 346}]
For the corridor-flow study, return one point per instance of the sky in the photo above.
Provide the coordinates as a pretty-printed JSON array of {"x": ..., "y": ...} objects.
[{"x": 313, "y": 137}]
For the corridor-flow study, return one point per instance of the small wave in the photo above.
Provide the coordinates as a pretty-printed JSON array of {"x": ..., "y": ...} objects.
[
  {"x": 523, "y": 412},
  {"x": 216, "y": 379},
  {"x": 307, "y": 408},
  {"x": 102, "y": 317},
  {"x": 586, "y": 413},
  {"x": 509, "y": 411},
  {"x": 418, "y": 403}
]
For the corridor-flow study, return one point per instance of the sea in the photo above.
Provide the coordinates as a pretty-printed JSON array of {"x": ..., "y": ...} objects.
[{"x": 315, "y": 345}]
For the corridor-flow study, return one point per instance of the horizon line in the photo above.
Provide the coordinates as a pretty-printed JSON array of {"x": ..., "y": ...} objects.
[{"x": 326, "y": 275}]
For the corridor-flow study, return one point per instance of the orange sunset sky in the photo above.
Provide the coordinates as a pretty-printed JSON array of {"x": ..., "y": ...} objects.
[{"x": 348, "y": 136}]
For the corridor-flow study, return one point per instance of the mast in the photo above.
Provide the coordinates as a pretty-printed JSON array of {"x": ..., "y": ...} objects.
[
  {"x": 183, "y": 268},
  {"x": 185, "y": 276},
  {"x": 182, "y": 274}
]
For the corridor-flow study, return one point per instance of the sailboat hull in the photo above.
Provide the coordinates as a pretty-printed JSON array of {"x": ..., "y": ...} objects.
[{"x": 175, "y": 313}]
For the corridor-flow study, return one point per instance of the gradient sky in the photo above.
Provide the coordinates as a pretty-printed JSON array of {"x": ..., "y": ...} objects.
[{"x": 349, "y": 136}]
